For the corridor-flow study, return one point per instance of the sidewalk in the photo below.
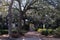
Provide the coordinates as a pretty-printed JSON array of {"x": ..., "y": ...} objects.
[
  {"x": 32, "y": 34},
  {"x": 29, "y": 35},
  {"x": 4, "y": 36}
]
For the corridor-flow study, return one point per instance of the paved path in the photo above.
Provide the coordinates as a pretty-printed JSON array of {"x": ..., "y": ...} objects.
[
  {"x": 51, "y": 38},
  {"x": 35, "y": 38},
  {"x": 30, "y": 39},
  {"x": 30, "y": 36}
]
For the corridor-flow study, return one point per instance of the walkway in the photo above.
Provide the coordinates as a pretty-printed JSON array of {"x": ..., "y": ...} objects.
[{"x": 30, "y": 36}]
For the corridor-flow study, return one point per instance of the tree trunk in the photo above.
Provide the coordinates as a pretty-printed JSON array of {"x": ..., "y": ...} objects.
[
  {"x": 19, "y": 23},
  {"x": 10, "y": 19}
]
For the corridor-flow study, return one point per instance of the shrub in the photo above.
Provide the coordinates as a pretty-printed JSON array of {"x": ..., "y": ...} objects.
[
  {"x": 50, "y": 31},
  {"x": 57, "y": 32},
  {"x": 44, "y": 32},
  {"x": 39, "y": 30},
  {"x": 47, "y": 32},
  {"x": 4, "y": 32}
]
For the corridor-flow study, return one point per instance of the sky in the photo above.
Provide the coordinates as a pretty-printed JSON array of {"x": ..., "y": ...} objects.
[{"x": 16, "y": 3}]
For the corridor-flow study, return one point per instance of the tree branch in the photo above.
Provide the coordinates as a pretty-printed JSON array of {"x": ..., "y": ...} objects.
[
  {"x": 35, "y": 8},
  {"x": 32, "y": 8},
  {"x": 26, "y": 4},
  {"x": 16, "y": 8},
  {"x": 31, "y": 3},
  {"x": 19, "y": 1}
]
